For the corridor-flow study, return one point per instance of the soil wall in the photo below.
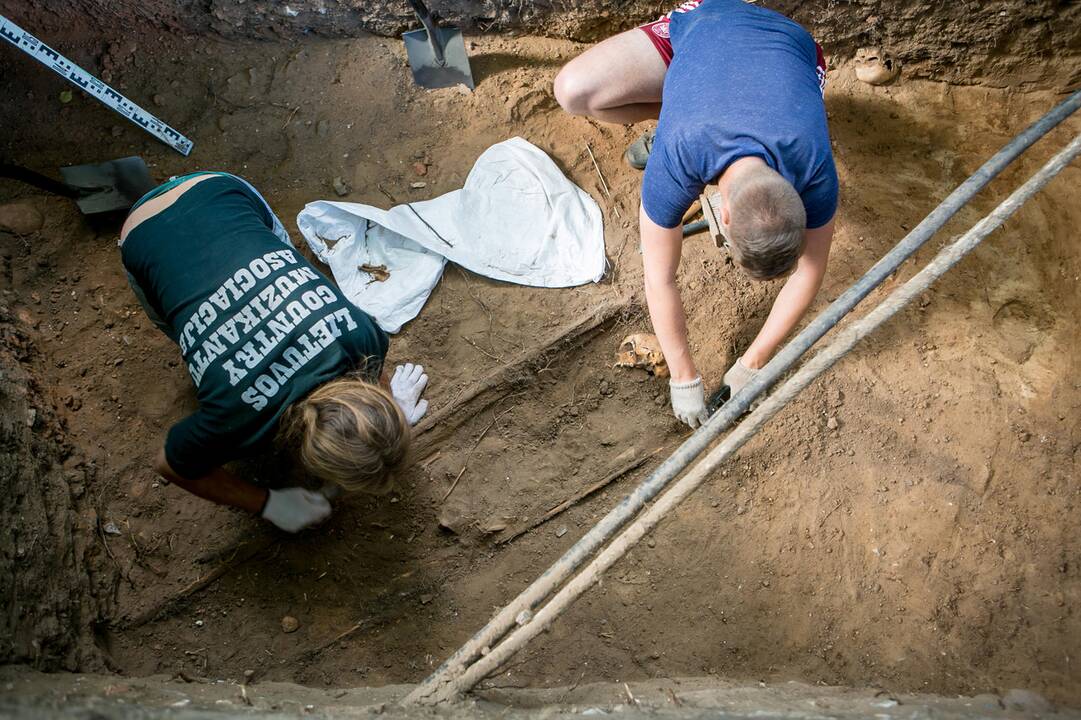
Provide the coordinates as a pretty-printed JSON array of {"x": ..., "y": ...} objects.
[
  {"x": 49, "y": 598},
  {"x": 994, "y": 42}
]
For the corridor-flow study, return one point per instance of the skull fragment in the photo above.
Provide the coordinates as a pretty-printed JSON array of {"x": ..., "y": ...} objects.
[{"x": 642, "y": 350}]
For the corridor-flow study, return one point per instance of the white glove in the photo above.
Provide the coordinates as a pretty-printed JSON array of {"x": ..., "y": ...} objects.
[
  {"x": 689, "y": 401},
  {"x": 738, "y": 375},
  {"x": 294, "y": 509},
  {"x": 406, "y": 386}
]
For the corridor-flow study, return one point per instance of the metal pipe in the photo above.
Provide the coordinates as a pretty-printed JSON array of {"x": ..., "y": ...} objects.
[
  {"x": 695, "y": 227},
  {"x": 573, "y": 558},
  {"x": 846, "y": 339}
]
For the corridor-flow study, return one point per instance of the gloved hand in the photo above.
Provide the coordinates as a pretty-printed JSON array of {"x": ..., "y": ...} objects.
[
  {"x": 738, "y": 375},
  {"x": 294, "y": 509},
  {"x": 689, "y": 401},
  {"x": 406, "y": 386}
]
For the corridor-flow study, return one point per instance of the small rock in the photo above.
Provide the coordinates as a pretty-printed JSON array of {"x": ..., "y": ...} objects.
[
  {"x": 248, "y": 675},
  {"x": 561, "y": 531},
  {"x": 420, "y": 169},
  {"x": 425, "y": 599},
  {"x": 452, "y": 520},
  {"x": 605, "y": 388},
  {"x": 66, "y": 96},
  {"x": 418, "y": 185},
  {"x": 290, "y": 624},
  {"x": 650, "y": 542},
  {"x": 20, "y": 218},
  {"x": 832, "y": 423},
  {"x": 31, "y": 417},
  {"x": 925, "y": 300},
  {"x": 341, "y": 189},
  {"x": 110, "y": 528},
  {"x": 986, "y": 702},
  {"x": 1026, "y": 701},
  {"x": 658, "y": 399},
  {"x": 159, "y": 100},
  {"x": 199, "y": 623}
]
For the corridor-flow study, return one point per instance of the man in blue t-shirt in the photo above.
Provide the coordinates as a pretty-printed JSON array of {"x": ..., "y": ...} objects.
[{"x": 737, "y": 91}]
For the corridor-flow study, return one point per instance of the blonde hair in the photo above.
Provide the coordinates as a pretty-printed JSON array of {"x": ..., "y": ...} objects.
[
  {"x": 349, "y": 432},
  {"x": 766, "y": 224}
]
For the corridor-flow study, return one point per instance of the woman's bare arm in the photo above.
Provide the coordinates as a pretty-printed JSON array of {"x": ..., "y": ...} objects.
[{"x": 219, "y": 486}]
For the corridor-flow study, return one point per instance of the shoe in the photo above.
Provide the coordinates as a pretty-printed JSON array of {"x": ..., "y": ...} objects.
[{"x": 638, "y": 151}]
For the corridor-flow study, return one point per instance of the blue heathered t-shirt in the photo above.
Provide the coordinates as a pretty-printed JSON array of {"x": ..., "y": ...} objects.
[{"x": 743, "y": 82}]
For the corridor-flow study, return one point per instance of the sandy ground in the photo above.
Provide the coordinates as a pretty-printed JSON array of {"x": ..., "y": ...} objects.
[
  {"x": 908, "y": 523},
  {"x": 58, "y": 695}
]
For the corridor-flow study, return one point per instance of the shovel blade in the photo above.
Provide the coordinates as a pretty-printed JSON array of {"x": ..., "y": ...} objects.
[
  {"x": 108, "y": 186},
  {"x": 428, "y": 72}
]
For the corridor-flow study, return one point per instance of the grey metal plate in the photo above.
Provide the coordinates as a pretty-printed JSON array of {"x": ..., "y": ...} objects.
[
  {"x": 109, "y": 186},
  {"x": 430, "y": 74}
]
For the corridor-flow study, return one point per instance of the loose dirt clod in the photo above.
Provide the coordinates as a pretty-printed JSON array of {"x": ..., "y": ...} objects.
[
  {"x": 379, "y": 273},
  {"x": 21, "y": 218}
]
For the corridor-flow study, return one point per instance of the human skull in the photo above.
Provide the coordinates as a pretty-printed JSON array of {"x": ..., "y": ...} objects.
[
  {"x": 642, "y": 350},
  {"x": 876, "y": 66}
]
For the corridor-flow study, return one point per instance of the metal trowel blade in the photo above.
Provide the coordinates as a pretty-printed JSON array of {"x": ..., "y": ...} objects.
[
  {"x": 108, "y": 186},
  {"x": 427, "y": 72}
]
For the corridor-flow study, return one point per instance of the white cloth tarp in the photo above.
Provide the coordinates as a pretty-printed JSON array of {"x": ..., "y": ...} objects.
[{"x": 517, "y": 219}]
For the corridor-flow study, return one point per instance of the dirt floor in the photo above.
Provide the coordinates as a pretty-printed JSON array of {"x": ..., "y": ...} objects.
[{"x": 909, "y": 523}]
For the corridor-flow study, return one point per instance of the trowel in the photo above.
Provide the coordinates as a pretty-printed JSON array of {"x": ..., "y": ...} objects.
[
  {"x": 436, "y": 54},
  {"x": 95, "y": 188}
]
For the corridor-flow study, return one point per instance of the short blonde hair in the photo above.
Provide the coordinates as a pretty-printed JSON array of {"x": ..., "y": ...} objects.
[
  {"x": 349, "y": 432},
  {"x": 766, "y": 224}
]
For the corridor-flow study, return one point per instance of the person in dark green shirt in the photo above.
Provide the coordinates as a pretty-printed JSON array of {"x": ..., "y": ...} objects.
[{"x": 277, "y": 354}]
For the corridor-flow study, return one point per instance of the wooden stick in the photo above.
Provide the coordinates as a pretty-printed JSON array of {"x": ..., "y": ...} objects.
[
  {"x": 604, "y": 184},
  {"x": 246, "y": 551},
  {"x": 693, "y": 210},
  {"x": 454, "y": 484},
  {"x": 630, "y": 460},
  {"x": 513, "y": 375},
  {"x": 308, "y": 655},
  {"x": 599, "y": 173}
]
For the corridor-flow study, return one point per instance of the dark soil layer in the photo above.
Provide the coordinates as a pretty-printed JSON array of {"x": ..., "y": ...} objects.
[
  {"x": 909, "y": 522},
  {"x": 51, "y": 598},
  {"x": 993, "y": 42}
]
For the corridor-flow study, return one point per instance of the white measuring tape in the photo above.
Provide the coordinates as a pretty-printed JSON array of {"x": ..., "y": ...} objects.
[{"x": 66, "y": 68}]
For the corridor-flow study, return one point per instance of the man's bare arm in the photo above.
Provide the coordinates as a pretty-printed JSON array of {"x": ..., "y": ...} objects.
[
  {"x": 219, "y": 486},
  {"x": 661, "y": 249},
  {"x": 796, "y": 296}
]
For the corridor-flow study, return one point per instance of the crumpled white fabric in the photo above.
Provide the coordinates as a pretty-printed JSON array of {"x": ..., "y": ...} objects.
[{"x": 517, "y": 219}]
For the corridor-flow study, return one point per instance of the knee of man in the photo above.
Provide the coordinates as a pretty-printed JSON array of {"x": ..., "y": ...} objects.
[{"x": 573, "y": 90}]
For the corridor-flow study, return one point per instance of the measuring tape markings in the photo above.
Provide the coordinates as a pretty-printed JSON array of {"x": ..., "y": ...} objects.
[{"x": 111, "y": 98}]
